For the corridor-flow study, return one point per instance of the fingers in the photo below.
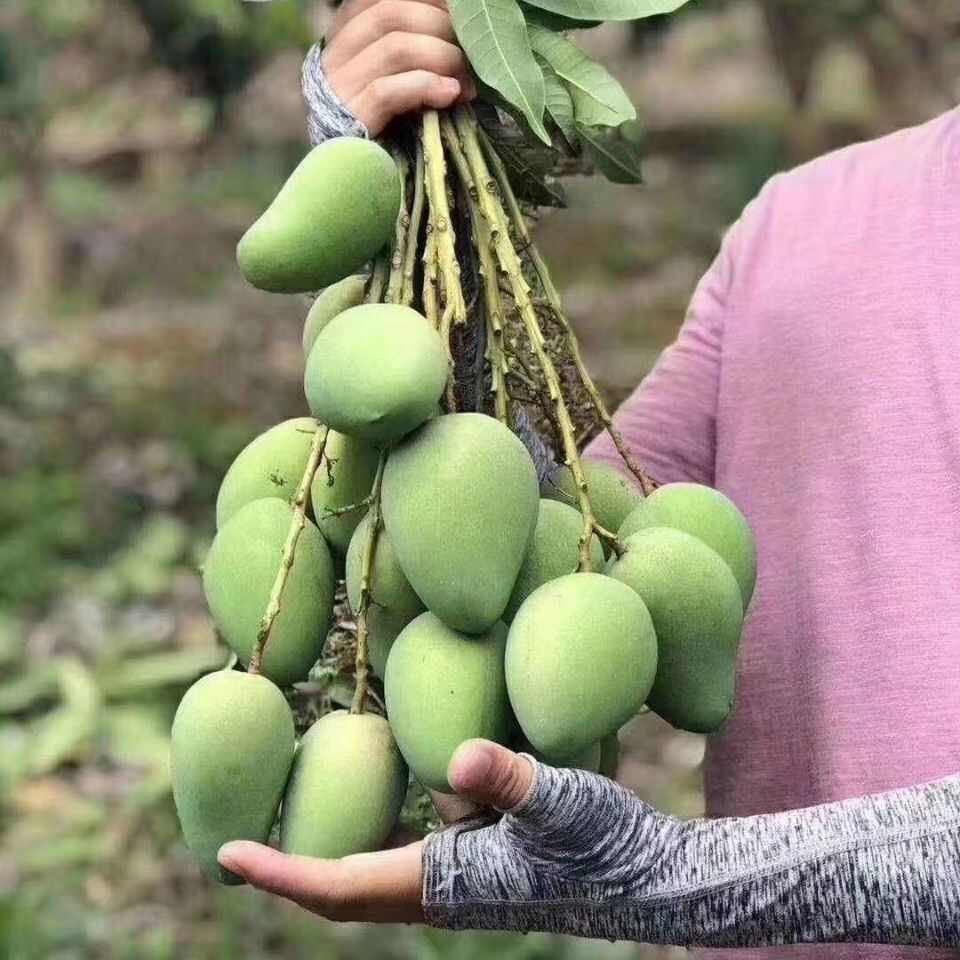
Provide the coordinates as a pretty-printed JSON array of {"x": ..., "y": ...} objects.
[
  {"x": 388, "y": 97},
  {"x": 393, "y": 54},
  {"x": 382, "y": 887},
  {"x": 384, "y": 18},
  {"x": 353, "y": 8},
  {"x": 491, "y": 775}
]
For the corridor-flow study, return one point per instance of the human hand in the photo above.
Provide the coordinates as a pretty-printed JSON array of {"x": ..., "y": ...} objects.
[
  {"x": 384, "y": 58},
  {"x": 383, "y": 887}
]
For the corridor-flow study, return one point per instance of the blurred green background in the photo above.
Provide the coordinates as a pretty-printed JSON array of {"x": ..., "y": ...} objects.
[{"x": 138, "y": 138}]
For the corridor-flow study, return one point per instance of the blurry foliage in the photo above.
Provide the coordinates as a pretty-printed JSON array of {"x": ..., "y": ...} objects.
[{"x": 129, "y": 385}]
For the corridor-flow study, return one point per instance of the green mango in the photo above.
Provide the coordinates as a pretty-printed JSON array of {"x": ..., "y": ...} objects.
[
  {"x": 230, "y": 754},
  {"x": 580, "y": 661},
  {"x": 271, "y": 465},
  {"x": 708, "y": 515},
  {"x": 336, "y": 211},
  {"x": 238, "y": 577},
  {"x": 346, "y": 788},
  {"x": 376, "y": 372},
  {"x": 460, "y": 503},
  {"x": 336, "y": 298},
  {"x": 588, "y": 760},
  {"x": 395, "y": 603},
  {"x": 612, "y": 493},
  {"x": 553, "y": 552},
  {"x": 443, "y": 687},
  {"x": 609, "y": 756},
  {"x": 697, "y": 612},
  {"x": 345, "y": 477}
]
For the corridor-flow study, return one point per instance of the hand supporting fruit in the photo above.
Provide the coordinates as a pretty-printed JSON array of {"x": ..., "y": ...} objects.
[
  {"x": 384, "y": 58},
  {"x": 575, "y": 853}
]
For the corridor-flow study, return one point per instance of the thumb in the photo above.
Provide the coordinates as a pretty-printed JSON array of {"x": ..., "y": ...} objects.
[{"x": 489, "y": 774}]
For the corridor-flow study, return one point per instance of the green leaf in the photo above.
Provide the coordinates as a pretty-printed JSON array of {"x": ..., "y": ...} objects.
[
  {"x": 598, "y": 98},
  {"x": 559, "y": 104},
  {"x": 554, "y": 21},
  {"x": 493, "y": 34},
  {"x": 615, "y": 151},
  {"x": 608, "y": 9}
]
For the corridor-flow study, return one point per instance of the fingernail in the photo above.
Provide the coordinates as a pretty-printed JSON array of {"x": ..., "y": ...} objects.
[
  {"x": 227, "y": 855},
  {"x": 470, "y": 765}
]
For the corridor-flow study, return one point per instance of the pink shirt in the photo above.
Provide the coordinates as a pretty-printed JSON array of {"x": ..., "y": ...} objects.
[{"x": 816, "y": 381}]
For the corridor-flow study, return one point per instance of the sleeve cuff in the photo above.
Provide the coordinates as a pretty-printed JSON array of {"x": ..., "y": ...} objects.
[{"x": 327, "y": 115}]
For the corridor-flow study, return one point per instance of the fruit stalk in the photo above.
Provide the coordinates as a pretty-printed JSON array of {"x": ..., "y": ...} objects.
[
  {"x": 289, "y": 548},
  {"x": 519, "y": 224},
  {"x": 398, "y": 256},
  {"x": 509, "y": 262},
  {"x": 366, "y": 576},
  {"x": 416, "y": 218}
]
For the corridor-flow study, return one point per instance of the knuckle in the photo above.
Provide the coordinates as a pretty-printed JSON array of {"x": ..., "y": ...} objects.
[
  {"x": 395, "y": 49},
  {"x": 380, "y": 91}
]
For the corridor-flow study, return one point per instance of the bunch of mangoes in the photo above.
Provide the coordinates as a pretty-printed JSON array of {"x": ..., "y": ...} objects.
[{"x": 479, "y": 623}]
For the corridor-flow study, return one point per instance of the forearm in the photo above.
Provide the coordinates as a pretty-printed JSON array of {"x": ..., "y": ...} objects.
[{"x": 882, "y": 869}]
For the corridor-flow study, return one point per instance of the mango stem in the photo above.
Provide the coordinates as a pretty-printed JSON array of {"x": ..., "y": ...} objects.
[
  {"x": 518, "y": 221},
  {"x": 366, "y": 576},
  {"x": 398, "y": 256},
  {"x": 297, "y": 524},
  {"x": 416, "y": 218}
]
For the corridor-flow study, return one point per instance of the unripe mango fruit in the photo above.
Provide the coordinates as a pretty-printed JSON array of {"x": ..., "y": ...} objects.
[
  {"x": 460, "y": 503},
  {"x": 230, "y": 754},
  {"x": 344, "y": 477},
  {"x": 443, "y": 687},
  {"x": 709, "y": 516},
  {"x": 336, "y": 298},
  {"x": 346, "y": 788},
  {"x": 612, "y": 493},
  {"x": 376, "y": 372},
  {"x": 394, "y": 602},
  {"x": 238, "y": 576},
  {"x": 589, "y": 760},
  {"x": 697, "y": 612},
  {"x": 580, "y": 661},
  {"x": 336, "y": 211},
  {"x": 271, "y": 465},
  {"x": 553, "y": 552}
]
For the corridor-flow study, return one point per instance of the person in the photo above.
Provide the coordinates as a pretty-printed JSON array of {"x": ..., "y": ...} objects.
[{"x": 815, "y": 382}]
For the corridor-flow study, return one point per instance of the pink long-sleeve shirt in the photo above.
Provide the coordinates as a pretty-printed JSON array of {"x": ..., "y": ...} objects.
[{"x": 816, "y": 381}]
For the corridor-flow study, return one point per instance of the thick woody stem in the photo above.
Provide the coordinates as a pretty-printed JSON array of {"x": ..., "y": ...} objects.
[
  {"x": 441, "y": 224},
  {"x": 297, "y": 524},
  {"x": 416, "y": 218},
  {"x": 509, "y": 262},
  {"x": 493, "y": 304},
  {"x": 519, "y": 224},
  {"x": 366, "y": 576},
  {"x": 398, "y": 256}
]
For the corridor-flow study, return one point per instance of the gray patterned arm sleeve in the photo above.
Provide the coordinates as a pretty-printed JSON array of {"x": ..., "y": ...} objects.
[
  {"x": 327, "y": 115},
  {"x": 583, "y": 856}
]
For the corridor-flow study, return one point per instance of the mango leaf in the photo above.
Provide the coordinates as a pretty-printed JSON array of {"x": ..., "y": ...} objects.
[
  {"x": 615, "y": 151},
  {"x": 559, "y": 104},
  {"x": 608, "y": 9},
  {"x": 598, "y": 98},
  {"x": 554, "y": 21},
  {"x": 494, "y": 37}
]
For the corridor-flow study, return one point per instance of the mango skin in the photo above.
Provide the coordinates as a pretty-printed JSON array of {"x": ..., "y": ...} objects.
[
  {"x": 709, "y": 516},
  {"x": 271, "y": 465},
  {"x": 697, "y": 612},
  {"x": 336, "y": 298},
  {"x": 336, "y": 211},
  {"x": 346, "y": 788},
  {"x": 238, "y": 576},
  {"x": 460, "y": 502},
  {"x": 353, "y": 465},
  {"x": 443, "y": 687},
  {"x": 376, "y": 372},
  {"x": 589, "y": 760},
  {"x": 613, "y": 495},
  {"x": 395, "y": 603},
  {"x": 230, "y": 754},
  {"x": 553, "y": 552},
  {"x": 580, "y": 661}
]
